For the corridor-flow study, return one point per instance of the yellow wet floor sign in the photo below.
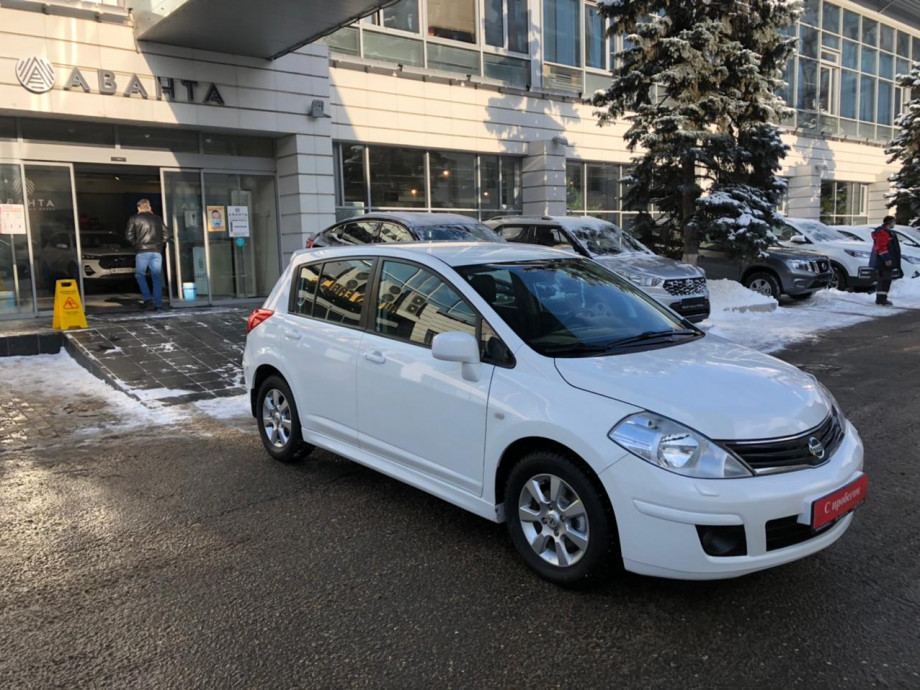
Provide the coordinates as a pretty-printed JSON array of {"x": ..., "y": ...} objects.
[{"x": 68, "y": 311}]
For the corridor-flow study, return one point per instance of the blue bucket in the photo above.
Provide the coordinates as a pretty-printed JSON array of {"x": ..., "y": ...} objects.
[{"x": 189, "y": 291}]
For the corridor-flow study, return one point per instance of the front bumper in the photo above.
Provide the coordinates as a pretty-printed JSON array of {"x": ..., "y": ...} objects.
[
  {"x": 658, "y": 513},
  {"x": 694, "y": 307},
  {"x": 93, "y": 270},
  {"x": 800, "y": 283}
]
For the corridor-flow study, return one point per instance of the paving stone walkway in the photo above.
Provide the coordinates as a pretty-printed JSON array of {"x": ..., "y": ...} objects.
[{"x": 168, "y": 357}]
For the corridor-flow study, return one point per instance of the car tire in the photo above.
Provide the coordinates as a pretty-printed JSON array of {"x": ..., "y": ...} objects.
[
  {"x": 763, "y": 283},
  {"x": 279, "y": 425},
  {"x": 839, "y": 279},
  {"x": 537, "y": 486}
]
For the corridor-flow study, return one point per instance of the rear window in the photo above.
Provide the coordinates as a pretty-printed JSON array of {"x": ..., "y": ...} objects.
[{"x": 457, "y": 232}]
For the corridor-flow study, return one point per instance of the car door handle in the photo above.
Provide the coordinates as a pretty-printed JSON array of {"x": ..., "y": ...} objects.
[
  {"x": 292, "y": 335},
  {"x": 375, "y": 357}
]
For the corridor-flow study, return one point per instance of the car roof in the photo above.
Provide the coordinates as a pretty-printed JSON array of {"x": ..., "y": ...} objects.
[
  {"x": 451, "y": 253},
  {"x": 567, "y": 222},
  {"x": 419, "y": 218}
]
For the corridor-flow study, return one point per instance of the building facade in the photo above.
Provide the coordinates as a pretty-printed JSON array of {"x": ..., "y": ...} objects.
[{"x": 471, "y": 106}]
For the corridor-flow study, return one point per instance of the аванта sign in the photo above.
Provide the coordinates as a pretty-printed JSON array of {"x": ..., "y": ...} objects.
[{"x": 38, "y": 75}]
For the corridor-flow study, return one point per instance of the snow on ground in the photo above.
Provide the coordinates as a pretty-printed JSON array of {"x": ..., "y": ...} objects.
[
  {"x": 797, "y": 321},
  {"x": 61, "y": 378},
  {"x": 225, "y": 408}
]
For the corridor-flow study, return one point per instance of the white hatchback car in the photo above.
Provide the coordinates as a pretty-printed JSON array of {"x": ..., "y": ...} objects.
[{"x": 533, "y": 387}]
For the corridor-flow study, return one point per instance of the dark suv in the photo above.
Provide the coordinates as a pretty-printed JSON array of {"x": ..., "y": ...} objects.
[{"x": 778, "y": 271}]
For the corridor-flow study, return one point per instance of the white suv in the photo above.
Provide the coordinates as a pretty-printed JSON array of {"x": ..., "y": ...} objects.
[
  {"x": 849, "y": 258},
  {"x": 530, "y": 386}
]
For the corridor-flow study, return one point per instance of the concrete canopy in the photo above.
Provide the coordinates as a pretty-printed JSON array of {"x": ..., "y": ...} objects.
[{"x": 255, "y": 28}]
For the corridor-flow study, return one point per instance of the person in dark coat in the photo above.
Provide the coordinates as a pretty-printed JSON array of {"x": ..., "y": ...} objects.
[
  {"x": 148, "y": 234},
  {"x": 885, "y": 259}
]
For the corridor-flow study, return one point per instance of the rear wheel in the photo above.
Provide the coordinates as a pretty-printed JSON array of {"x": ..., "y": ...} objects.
[
  {"x": 557, "y": 519},
  {"x": 763, "y": 283},
  {"x": 279, "y": 425}
]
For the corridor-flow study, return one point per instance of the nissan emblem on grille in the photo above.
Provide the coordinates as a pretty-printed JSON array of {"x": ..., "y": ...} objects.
[{"x": 816, "y": 448}]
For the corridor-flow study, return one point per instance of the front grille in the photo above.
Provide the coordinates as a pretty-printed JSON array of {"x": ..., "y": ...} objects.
[
  {"x": 116, "y": 261},
  {"x": 777, "y": 455},
  {"x": 788, "y": 531},
  {"x": 685, "y": 286}
]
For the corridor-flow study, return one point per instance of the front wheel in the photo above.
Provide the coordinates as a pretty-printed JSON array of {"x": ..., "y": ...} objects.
[
  {"x": 557, "y": 519},
  {"x": 279, "y": 425},
  {"x": 838, "y": 280},
  {"x": 764, "y": 284}
]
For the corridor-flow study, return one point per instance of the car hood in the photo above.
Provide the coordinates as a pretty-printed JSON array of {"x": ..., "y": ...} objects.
[
  {"x": 650, "y": 264},
  {"x": 723, "y": 390},
  {"x": 793, "y": 253}
]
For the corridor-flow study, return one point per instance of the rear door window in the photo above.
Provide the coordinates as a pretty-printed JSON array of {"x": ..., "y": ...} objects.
[
  {"x": 340, "y": 291},
  {"x": 515, "y": 233},
  {"x": 356, "y": 232},
  {"x": 394, "y": 232}
]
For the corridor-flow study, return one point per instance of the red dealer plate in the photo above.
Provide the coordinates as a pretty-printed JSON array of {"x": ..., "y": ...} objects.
[{"x": 839, "y": 503}]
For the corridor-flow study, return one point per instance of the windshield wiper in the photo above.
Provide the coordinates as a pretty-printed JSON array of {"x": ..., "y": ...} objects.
[{"x": 652, "y": 335}]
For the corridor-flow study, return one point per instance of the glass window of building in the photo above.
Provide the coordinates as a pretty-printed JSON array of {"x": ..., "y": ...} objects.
[
  {"x": 68, "y": 132},
  {"x": 402, "y": 16},
  {"x": 844, "y": 203},
  {"x": 810, "y": 13},
  {"x": 562, "y": 32},
  {"x": 480, "y": 186},
  {"x": 158, "y": 138},
  {"x": 830, "y": 18},
  {"x": 593, "y": 189},
  {"x": 7, "y": 128},
  {"x": 595, "y": 54},
  {"x": 397, "y": 177},
  {"x": 453, "y": 19}
]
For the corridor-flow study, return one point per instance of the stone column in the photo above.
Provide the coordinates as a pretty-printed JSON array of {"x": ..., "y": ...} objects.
[
  {"x": 543, "y": 179},
  {"x": 306, "y": 187}
]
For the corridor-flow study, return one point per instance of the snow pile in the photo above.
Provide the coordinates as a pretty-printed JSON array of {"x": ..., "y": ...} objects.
[
  {"x": 60, "y": 378},
  {"x": 729, "y": 295},
  {"x": 800, "y": 321}
]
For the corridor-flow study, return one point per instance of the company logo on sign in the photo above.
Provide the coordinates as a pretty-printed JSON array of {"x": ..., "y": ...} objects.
[{"x": 35, "y": 73}]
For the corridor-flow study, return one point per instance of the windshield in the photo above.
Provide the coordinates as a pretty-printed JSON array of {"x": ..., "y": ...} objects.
[
  {"x": 606, "y": 240},
  {"x": 103, "y": 240},
  {"x": 456, "y": 232},
  {"x": 812, "y": 229},
  {"x": 574, "y": 307}
]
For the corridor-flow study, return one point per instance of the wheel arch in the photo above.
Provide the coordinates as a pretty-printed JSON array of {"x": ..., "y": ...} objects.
[
  {"x": 760, "y": 268},
  {"x": 522, "y": 446},
  {"x": 258, "y": 378}
]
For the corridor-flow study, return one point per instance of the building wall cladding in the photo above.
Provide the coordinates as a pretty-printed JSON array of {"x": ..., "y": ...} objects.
[{"x": 260, "y": 97}]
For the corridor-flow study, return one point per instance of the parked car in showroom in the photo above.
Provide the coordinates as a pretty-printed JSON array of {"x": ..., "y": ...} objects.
[
  {"x": 676, "y": 285},
  {"x": 849, "y": 258},
  {"x": 408, "y": 226},
  {"x": 103, "y": 256},
  {"x": 530, "y": 386},
  {"x": 774, "y": 272},
  {"x": 908, "y": 238}
]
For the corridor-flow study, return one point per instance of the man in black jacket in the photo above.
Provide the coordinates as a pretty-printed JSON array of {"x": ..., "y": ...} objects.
[
  {"x": 148, "y": 233},
  {"x": 886, "y": 259}
]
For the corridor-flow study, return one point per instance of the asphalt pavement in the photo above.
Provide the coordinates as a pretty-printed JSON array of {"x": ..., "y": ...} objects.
[{"x": 185, "y": 557}]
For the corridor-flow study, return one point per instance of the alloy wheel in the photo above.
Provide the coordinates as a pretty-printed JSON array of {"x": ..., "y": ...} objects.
[
  {"x": 761, "y": 286},
  {"x": 553, "y": 519},
  {"x": 276, "y": 418}
]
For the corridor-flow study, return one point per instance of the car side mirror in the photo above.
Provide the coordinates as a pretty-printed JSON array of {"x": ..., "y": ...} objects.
[
  {"x": 799, "y": 239},
  {"x": 459, "y": 347}
]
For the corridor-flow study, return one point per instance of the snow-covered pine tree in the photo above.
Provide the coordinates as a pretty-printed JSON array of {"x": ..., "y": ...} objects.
[
  {"x": 698, "y": 85},
  {"x": 905, "y": 149}
]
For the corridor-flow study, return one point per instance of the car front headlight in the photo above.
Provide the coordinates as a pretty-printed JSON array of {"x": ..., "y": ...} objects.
[
  {"x": 642, "y": 280},
  {"x": 858, "y": 253},
  {"x": 799, "y": 265},
  {"x": 829, "y": 397},
  {"x": 676, "y": 448}
]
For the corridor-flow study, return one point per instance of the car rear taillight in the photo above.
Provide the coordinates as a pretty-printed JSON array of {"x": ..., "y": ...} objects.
[
  {"x": 257, "y": 317},
  {"x": 309, "y": 243}
]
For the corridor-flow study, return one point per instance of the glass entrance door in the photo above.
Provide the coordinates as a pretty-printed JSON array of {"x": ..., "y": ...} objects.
[
  {"x": 49, "y": 198},
  {"x": 15, "y": 263},
  {"x": 242, "y": 231},
  {"x": 188, "y": 256}
]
